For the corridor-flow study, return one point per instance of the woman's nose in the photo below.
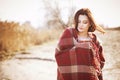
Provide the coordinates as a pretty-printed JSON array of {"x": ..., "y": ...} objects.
[{"x": 81, "y": 25}]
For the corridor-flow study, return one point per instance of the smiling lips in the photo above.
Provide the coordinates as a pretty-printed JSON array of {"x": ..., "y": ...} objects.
[{"x": 80, "y": 28}]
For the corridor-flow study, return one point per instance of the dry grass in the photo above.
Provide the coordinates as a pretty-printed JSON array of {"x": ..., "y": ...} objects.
[
  {"x": 45, "y": 35},
  {"x": 15, "y": 37},
  {"x": 111, "y": 46}
]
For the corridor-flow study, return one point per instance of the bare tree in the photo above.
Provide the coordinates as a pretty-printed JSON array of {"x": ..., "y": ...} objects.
[{"x": 53, "y": 15}]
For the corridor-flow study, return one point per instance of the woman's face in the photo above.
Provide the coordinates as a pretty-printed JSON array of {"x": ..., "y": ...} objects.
[{"x": 83, "y": 23}]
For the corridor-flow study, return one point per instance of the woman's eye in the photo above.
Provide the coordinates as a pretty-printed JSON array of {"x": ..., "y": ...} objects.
[{"x": 85, "y": 22}]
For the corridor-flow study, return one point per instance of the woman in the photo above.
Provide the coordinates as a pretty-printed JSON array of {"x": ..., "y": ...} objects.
[{"x": 79, "y": 54}]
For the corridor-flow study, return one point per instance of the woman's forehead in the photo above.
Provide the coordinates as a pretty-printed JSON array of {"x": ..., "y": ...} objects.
[{"x": 82, "y": 17}]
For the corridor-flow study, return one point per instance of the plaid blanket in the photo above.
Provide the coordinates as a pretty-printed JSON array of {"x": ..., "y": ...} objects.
[{"x": 78, "y": 60}]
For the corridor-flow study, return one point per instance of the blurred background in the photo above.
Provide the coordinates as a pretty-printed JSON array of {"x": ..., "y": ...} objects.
[{"x": 28, "y": 23}]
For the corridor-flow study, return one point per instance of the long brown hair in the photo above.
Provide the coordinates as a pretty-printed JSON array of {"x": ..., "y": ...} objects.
[{"x": 87, "y": 12}]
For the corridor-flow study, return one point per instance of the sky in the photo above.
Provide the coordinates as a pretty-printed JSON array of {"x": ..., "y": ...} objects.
[{"x": 104, "y": 11}]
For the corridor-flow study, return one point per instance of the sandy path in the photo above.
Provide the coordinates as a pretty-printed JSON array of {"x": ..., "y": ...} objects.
[{"x": 38, "y": 64}]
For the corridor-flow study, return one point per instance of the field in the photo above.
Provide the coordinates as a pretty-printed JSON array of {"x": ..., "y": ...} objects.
[
  {"x": 111, "y": 44},
  {"x": 38, "y": 62}
]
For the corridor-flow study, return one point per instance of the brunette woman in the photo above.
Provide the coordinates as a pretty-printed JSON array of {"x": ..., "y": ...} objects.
[{"x": 79, "y": 54}]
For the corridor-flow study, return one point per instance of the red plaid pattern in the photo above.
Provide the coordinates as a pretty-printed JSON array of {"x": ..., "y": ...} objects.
[{"x": 78, "y": 60}]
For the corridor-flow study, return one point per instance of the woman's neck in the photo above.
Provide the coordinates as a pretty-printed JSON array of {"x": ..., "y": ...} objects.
[{"x": 83, "y": 34}]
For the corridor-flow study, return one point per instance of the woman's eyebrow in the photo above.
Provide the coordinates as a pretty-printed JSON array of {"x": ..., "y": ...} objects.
[{"x": 83, "y": 20}]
